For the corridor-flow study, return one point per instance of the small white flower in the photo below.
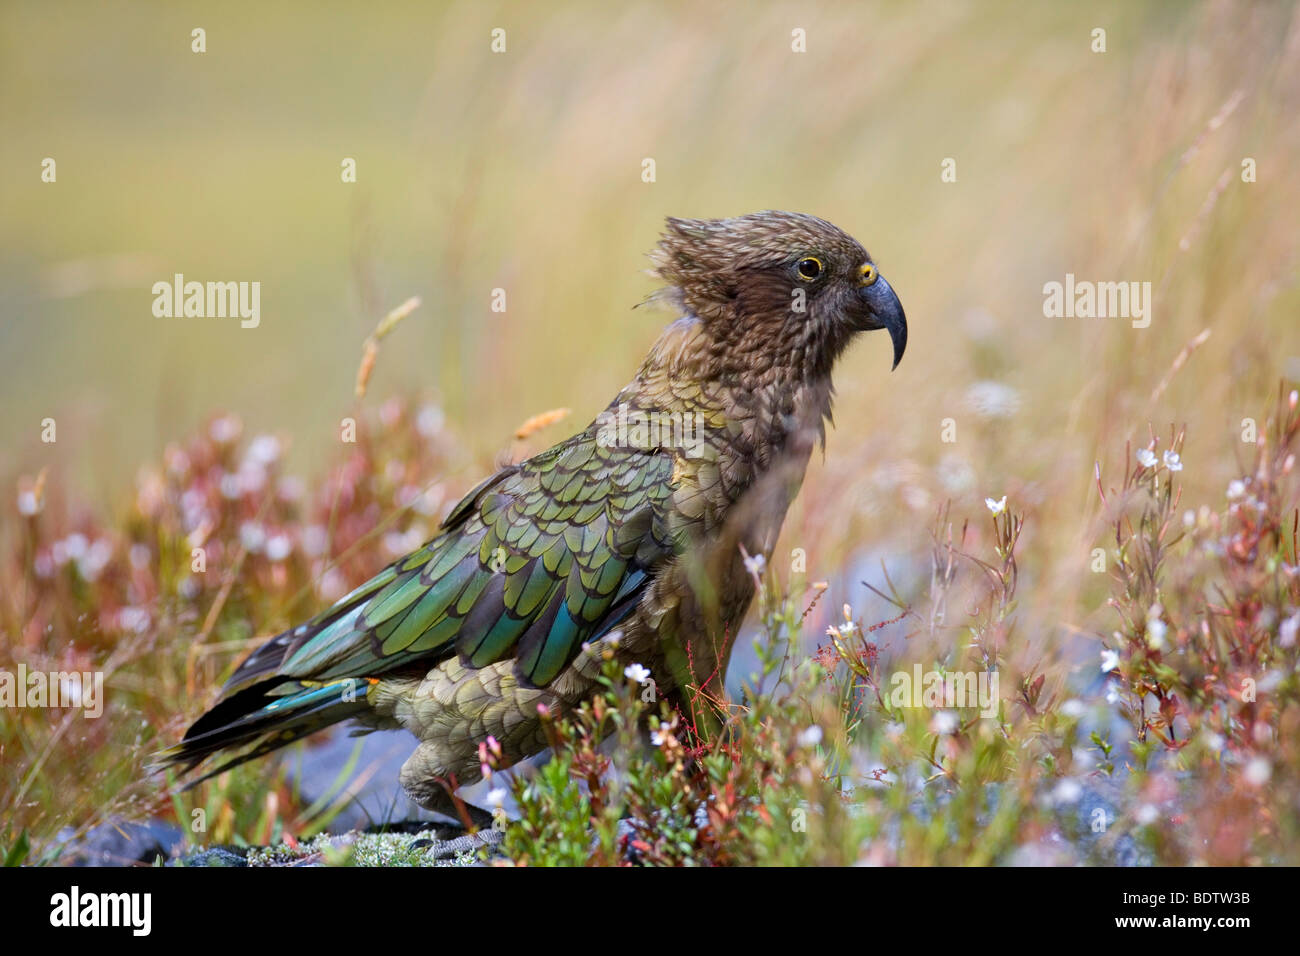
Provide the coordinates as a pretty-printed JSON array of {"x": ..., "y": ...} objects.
[
  {"x": 637, "y": 673},
  {"x": 225, "y": 430},
  {"x": 495, "y": 797},
  {"x": 332, "y": 585},
  {"x": 1287, "y": 630},
  {"x": 398, "y": 543},
  {"x": 1236, "y": 488},
  {"x": 429, "y": 421},
  {"x": 944, "y": 722},
  {"x": 993, "y": 399},
  {"x": 263, "y": 450},
  {"x": 278, "y": 547},
  {"x": 1156, "y": 630},
  {"x": 1215, "y": 742},
  {"x": 1173, "y": 461},
  {"x": 1073, "y": 708},
  {"x": 1109, "y": 660},
  {"x": 251, "y": 478},
  {"x": 1067, "y": 791},
  {"x": 1112, "y": 695},
  {"x": 71, "y": 548},
  {"x": 1146, "y": 458},
  {"x": 997, "y": 507},
  {"x": 955, "y": 474},
  {"x": 810, "y": 737},
  {"x": 755, "y": 563},
  {"x": 252, "y": 537},
  {"x": 659, "y": 737},
  {"x": 133, "y": 619},
  {"x": 96, "y": 559},
  {"x": 1258, "y": 771},
  {"x": 1147, "y": 814},
  {"x": 230, "y": 486},
  {"x": 28, "y": 504}
]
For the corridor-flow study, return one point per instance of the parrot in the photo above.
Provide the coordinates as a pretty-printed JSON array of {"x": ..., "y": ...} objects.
[{"x": 636, "y": 539}]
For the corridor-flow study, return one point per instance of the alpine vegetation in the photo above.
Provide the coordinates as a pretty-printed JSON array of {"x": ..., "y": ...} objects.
[{"x": 591, "y": 549}]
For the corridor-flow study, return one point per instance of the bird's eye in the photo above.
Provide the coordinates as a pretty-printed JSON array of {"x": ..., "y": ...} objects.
[
  {"x": 809, "y": 268},
  {"x": 867, "y": 274}
]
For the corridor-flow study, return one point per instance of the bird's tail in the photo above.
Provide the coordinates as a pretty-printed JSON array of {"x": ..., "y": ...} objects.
[{"x": 265, "y": 717}]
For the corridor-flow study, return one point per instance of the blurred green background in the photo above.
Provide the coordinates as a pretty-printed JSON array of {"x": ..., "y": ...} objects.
[{"x": 523, "y": 170}]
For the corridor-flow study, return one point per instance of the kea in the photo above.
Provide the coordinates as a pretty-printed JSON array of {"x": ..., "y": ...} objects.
[{"x": 638, "y": 537}]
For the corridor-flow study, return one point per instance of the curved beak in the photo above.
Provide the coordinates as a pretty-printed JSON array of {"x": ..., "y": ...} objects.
[{"x": 884, "y": 311}]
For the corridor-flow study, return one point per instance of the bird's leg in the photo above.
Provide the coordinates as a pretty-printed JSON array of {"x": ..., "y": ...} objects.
[
  {"x": 444, "y": 801},
  {"x": 436, "y": 791}
]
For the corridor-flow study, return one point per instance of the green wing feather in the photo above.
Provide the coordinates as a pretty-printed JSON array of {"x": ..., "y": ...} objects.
[{"x": 538, "y": 559}]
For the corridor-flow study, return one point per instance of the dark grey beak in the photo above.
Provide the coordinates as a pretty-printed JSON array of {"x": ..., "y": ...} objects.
[{"x": 886, "y": 312}]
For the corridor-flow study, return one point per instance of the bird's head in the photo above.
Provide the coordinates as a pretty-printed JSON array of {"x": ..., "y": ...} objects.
[{"x": 777, "y": 286}]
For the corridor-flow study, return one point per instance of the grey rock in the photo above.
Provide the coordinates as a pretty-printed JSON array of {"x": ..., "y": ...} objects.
[
  {"x": 216, "y": 856},
  {"x": 378, "y": 799},
  {"x": 121, "y": 843}
]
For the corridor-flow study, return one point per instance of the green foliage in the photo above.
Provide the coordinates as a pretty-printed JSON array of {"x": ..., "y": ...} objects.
[
  {"x": 823, "y": 764},
  {"x": 1205, "y": 655},
  {"x": 127, "y": 599},
  {"x": 17, "y": 852},
  {"x": 818, "y": 762}
]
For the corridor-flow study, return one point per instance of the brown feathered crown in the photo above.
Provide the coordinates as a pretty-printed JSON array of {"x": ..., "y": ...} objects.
[{"x": 704, "y": 261}]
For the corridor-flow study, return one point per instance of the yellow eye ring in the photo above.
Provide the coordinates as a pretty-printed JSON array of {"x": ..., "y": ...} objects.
[
  {"x": 867, "y": 274},
  {"x": 809, "y": 268}
]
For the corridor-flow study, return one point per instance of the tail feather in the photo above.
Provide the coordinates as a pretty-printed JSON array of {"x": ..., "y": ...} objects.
[{"x": 264, "y": 717}]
